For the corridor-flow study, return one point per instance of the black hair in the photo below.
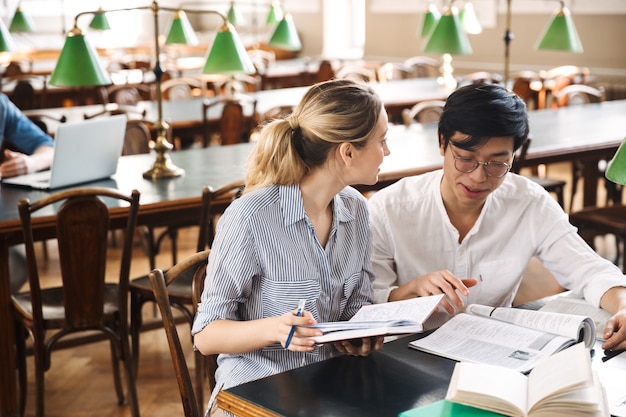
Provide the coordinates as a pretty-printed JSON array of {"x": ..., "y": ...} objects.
[{"x": 483, "y": 111}]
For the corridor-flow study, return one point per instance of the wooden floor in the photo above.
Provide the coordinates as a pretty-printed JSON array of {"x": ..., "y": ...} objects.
[{"x": 79, "y": 382}]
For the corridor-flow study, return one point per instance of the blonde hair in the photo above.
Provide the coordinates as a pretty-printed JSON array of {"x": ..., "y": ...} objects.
[{"x": 330, "y": 113}]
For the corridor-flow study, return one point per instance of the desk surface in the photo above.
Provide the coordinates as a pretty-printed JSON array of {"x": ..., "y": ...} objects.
[{"x": 385, "y": 383}]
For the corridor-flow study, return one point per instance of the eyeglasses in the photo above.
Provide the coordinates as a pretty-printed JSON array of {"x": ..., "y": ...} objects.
[{"x": 496, "y": 169}]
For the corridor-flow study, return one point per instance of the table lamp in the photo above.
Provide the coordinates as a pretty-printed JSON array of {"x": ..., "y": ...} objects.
[
  {"x": 559, "y": 35},
  {"x": 100, "y": 21},
  {"x": 275, "y": 14},
  {"x": 78, "y": 65},
  {"x": 616, "y": 169},
  {"x": 448, "y": 38},
  {"x": 286, "y": 36},
  {"x": 21, "y": 22},
  {"x": 469, "y": 20},
  {"x": 180, "y": 31},
  {"x": 6, "y": 40},
  {"x": 431, "y": 17},
  {"x": 234, "y": 15}
]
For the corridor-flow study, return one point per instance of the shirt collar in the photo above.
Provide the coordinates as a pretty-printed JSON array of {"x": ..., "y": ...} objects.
[{"x": 293, "y": 207}]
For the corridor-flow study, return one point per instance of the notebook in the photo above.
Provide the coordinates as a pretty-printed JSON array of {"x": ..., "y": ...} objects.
[
  {"x": 612, "y": 374},
  {"x": 83, "y": 151}
]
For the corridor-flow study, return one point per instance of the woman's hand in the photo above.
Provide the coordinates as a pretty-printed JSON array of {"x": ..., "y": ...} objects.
[{"x": 300, "y": 338}]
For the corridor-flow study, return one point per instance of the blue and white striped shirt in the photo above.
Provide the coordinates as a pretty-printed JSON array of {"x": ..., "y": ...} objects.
[{"x": 266, "y": 257}]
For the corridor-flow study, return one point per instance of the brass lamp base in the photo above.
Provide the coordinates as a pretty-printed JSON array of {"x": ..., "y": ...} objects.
[{"x": 163, "y": 168}]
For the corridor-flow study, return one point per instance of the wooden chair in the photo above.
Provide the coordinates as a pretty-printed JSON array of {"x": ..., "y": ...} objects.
[
  {"x": 325, "y": 71},
  {"x": 128, "y": 94},
  {"x": 556, "y": 78},
  {"x": 527, "y": 85},
  {"x": 428, "y": 111},
  {"x": 193, "y": 267},
  {"x": 239, "y": 84},
  {"x": 26, "y": 91},
  {"x": 394, "y": 71},
  {"x": 86, "y": 301},
  {"x": 480, "y": 77},
  {"x": 234, "y": 125},
  {"x": 183, "y": 88},
  {"x": 575, "y": 95},
  {"x": 356, "y": 72},
  {"x": 423, "y": 66},
  {"x": 553, "y": 186},
  {"x": 180, "y": 294},
  {"x": 596, "y": 221},
  {"x": 261, "y": 59},
  {"x": 277, "y": 112}
]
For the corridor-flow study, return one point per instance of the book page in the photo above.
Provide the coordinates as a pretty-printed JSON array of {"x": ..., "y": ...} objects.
[
  {"x": 573, "y": 305},
  {"x": 579, "y": 328},
  {"x": 406, "y": 316},
  {"x": 489, "y": 387},
  {"x": 563, "y": 372},
  {"x": 483, "y": 340}
]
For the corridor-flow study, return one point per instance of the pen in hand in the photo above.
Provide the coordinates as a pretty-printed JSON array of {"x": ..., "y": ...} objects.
[{"x": 299, "y": 311}]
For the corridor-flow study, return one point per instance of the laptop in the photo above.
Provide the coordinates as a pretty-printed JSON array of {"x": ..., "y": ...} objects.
[{"x": 84, "y": 151}]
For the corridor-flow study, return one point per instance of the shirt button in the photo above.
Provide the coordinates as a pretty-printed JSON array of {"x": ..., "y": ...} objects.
[{"x": 327, "y": 299}]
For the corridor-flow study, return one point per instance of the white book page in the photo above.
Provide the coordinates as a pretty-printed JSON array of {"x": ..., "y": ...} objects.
[
  {"x": 574, "y": 305},
  {"x": 562, "y": 372},
  {"x": 486, "y": 386},
  {"x": 569, "y": 325},
  {"x": 415, "y": 309},
  {"x": 482, "y": 340}
]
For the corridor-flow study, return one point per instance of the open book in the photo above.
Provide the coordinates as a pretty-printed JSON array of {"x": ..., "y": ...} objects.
[
  {"x": 570, "y": 304},
  {"x": 396, "y": 317},
  {"x": 561, "y": 385},
  {"x": 511, "y": 337}
]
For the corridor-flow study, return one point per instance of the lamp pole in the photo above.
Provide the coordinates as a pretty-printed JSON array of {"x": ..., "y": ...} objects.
[{"x": 508, "y": 37}]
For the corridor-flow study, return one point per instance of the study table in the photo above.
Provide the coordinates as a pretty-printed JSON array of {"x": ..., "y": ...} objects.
[{"x": 387, "y": 382}]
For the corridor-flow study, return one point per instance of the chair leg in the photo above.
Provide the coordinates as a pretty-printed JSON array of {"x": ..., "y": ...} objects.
[
  {"x": 136, "y": 321},
  {"x": 20, "y": 356},
  {"x": 116, "y": 356},
  {"x": 40, "y": 367},
  {"x": 130, "y": 377}
]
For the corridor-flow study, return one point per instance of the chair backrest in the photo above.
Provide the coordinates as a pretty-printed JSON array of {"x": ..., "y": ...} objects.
[
  {"x": 520, "y": 156},
  {"x": 126, "y": 93},
  {"x": 480, "y": 77},
  {"x": 394, "y": 71},
  {"x": 325, "y": 71},
  {"x": 194, "y": 264},
  {"x": 277, "y": 112},
  {"x": 214, "y": 202},
  {"x": 235, "y": 126},
  {"x": 239, "y": 84},
  {"x": 577, "y": 94},
  {"x": 527, "y": 85},
  {"x": 39, "y": 118},
  {"x": 356, "y": 72},
  {"x": 137, "y": 138},
  {"x": 82, "y": 225},
  {"x": 428, "y": 111},
  {"x": 261, "y": 59},
  {"x": 423, "y": 66},
  {"x": 183, "y": 88}
]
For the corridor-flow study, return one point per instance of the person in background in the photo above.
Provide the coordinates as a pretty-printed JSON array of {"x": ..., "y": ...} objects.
[
  {"x": 34, "y": 151},
  {"x": 469, "y": 230},
  {"x": 298, "y": 232}
]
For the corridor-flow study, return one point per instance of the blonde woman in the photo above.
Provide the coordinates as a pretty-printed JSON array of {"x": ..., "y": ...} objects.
[{"x": 298, "y": 232}]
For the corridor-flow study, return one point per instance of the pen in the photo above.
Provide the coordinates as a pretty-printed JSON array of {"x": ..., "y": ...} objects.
[{"x": 293, "y": 328}]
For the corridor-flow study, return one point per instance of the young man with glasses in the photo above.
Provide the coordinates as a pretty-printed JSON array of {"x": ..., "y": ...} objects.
[{"x": 470, "y": 229}]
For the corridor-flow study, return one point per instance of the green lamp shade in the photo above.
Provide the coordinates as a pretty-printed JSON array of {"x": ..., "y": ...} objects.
[
  {"x": 469, "y": 20},
  {"x": 6, "y": 40},
  {"x": 180, "y": 31},
  {"x": 285, "y": 36},
  {"x": 20, "y": 22},
  {"x": 227, "y": 54},
  {"x": 100, "y": 21},
  {"x": 234, "y": 16},
  {"x": 560, "y": 34},
  {"x": 275, "y": 15},
  {"x": 448, "y": 36},
  {"x": 431, "y": 17},
  {"x": 78, "y": 64},
  {"x": 616, "y": 170}
]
